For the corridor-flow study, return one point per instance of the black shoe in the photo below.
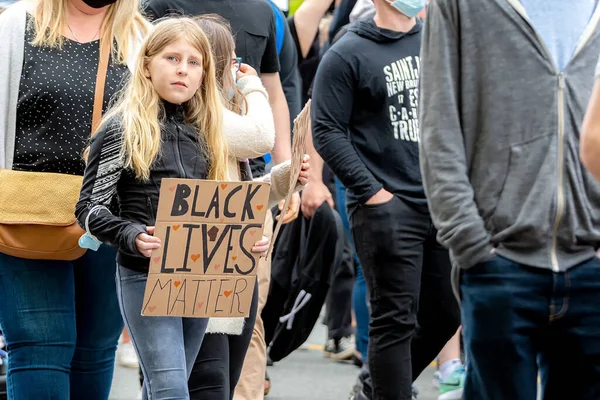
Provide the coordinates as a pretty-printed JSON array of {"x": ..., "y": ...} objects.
[
  {"x": 357, "y": 360},
  {"x": 3, "y": 390}
]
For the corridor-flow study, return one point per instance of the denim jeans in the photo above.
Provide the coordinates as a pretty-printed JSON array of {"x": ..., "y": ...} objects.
[
  {"x": 166, "y": 346},
  {"x": 519, "y": 321},
  {"x": 62, "y": 323},
  {"x": 359, "y": 293},
  {"x": 413, "y": 309}
]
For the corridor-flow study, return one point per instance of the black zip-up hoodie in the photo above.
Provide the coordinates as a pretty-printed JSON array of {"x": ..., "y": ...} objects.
[
  {"x": 106, "y": 180},
  {"x": 365, "y": 112}
]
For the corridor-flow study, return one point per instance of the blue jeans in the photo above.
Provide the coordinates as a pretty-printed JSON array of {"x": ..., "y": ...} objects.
[
  {"x": 359, "y": 294},
  {"x": 166, "y": 346},
  {"x": 62, "y": 323},
  {"x": 519, "y": 321}
]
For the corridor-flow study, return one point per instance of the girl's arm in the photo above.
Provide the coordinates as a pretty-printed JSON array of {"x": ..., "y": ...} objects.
[
  {"x": 251, "y": 135},
  {"x": 100, "y": 180},
  {"x": 279, "y": 178}
]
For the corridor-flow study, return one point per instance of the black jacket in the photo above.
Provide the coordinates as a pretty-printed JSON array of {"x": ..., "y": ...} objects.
[{"x": 106, "y": 180}]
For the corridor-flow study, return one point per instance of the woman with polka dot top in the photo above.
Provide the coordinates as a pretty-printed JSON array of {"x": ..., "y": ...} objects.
[{"x": 61, "y": 319}]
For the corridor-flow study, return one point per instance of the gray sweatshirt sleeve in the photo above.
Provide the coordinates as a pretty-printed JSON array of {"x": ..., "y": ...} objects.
[{"x": 442, "y": 153}]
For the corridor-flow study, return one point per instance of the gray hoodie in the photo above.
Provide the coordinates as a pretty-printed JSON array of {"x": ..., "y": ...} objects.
[{"x": 500, "y": 137}]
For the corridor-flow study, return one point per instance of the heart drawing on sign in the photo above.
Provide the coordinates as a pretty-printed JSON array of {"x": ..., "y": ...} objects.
[
  {"x": 172, "y": 188},
  {"x": 151, "y": 308},
  {"x": 224, "y": 186},
  {"x": 200, "y": 304},
  {"x": 195, "y": 257},
  {"x": 234, "y": 258},
  {"x": 177, "y": 283},
  {"x": 228, "y": 293},
  {"x": 217, "y": 266},
  {"x": 175, "y": 227},
  {"x": 259, "y": 207},
  {"x": 156, "y": 260},
  {"x": 252, "y": 233}
]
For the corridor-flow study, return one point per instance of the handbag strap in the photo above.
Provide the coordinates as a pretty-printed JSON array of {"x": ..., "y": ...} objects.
[{"x": 100, "y": 82}]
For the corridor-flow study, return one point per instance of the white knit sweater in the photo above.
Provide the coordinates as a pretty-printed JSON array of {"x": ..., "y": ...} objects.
[{"x": 249, "y": 136}]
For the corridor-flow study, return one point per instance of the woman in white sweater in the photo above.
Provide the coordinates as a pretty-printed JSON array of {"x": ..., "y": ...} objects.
[{"x": 250, "y": 132}]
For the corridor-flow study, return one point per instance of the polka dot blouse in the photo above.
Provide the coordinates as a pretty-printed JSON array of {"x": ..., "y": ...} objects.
[{"x": 56, "y": 99}]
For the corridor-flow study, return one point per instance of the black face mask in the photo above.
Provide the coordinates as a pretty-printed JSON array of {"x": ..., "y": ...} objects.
[{"x": 99, "y": 3}]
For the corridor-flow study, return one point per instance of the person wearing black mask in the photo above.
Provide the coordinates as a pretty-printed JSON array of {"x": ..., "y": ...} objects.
[{"x": 58, "y": 310}]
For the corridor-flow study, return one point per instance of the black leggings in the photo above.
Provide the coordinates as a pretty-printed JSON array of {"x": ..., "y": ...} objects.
[{"x": 219, "y": 364}]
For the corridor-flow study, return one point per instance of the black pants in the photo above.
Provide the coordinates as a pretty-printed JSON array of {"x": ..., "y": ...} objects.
[
  {"x": 408, "y": 276},
  {"x": 219, "y": 364},
  {"x": 339, "y": 298}
]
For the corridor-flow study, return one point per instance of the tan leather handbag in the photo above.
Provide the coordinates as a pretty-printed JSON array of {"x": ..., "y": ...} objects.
[{"x": 37, "y": 209}]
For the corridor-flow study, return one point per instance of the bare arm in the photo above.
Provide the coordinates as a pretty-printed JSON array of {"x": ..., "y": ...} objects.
[
  {"x": 307, "y": 19},
  {"x": 281, "y": 114},
  {"x": 316, "y": 192},
  {"x": 590, "y": 135}
]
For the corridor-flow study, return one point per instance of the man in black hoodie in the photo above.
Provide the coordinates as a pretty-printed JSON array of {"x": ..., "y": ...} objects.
[{"x": 365, "y": 126}]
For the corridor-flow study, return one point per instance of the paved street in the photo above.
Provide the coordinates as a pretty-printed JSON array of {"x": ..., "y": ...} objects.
[{"x": 305, "y": 375}]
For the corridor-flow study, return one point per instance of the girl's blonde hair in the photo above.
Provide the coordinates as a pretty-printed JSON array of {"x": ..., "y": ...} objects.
[
  {"x": 218, "y": 31},
  {"x": 123, "y": 22},
  {"x": 140, "y": 110}
]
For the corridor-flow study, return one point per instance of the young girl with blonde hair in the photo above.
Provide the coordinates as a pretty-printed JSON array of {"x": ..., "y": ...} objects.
[
  {"x": 58, "y": 306},
  {"x": 168, "y": 124},
  {"x": 249, "y": 130}
]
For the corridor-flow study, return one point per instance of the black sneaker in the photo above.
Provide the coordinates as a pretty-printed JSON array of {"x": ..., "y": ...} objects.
[
  {"x": 340, "y": 350},
  {"x": 357, "y": 359}
]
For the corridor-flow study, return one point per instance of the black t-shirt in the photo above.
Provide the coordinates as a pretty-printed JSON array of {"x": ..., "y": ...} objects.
[
  {"x": 56, "y": 99},
  {"x": 252, "y": 23}
]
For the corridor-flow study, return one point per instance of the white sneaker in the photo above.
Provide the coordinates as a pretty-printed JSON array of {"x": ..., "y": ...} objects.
[
  {"x": 126, "y": 355},
  {"x": 340, "y": 350}
]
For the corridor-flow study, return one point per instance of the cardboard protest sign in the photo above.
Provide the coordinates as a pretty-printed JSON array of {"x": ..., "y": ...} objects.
[
  {"x": 205, "y": 267},
  {"x": 301, "y": 129}
]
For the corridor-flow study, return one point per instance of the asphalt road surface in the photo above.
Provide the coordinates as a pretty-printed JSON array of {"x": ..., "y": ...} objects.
[{"x": 305, "y": 375}]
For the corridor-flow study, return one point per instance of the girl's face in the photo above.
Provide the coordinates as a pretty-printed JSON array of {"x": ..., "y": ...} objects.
[{"x": 176, "y": 72}]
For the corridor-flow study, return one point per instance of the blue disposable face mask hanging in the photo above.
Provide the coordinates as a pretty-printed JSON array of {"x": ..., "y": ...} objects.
[
  {"x": 410, "y": 8},
  {"x": 87, "y": 240}
]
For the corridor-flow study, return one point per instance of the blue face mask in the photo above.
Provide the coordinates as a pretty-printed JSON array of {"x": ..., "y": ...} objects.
[
  {"x": 87, "y": 241},
  {"x": 410, "y": 8}
]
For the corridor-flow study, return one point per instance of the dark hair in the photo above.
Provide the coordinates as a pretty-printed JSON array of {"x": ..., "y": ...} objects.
[{"x": 218, "y": 31}]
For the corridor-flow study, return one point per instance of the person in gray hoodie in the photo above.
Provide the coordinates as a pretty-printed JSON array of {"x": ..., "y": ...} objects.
[{"x": 504, "y": 87}]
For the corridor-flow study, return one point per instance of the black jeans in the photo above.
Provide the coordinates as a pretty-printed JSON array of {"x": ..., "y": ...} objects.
[
  {"x": 408, "y": 276},
  {"x": 218, "y": 366},
  {"x": 521, "y": 321},
  {"x": 339, "y": 298}
]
